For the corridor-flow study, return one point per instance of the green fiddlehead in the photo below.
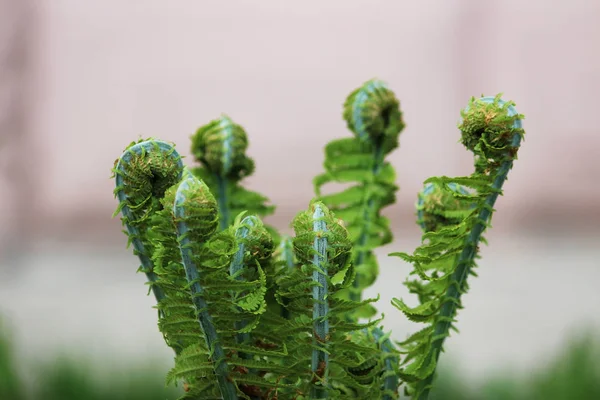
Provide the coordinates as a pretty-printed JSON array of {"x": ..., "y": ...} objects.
[
  {"x": 142, "y": 174},
  {"x": 198, "y": 361},
  {"x": 492, "y": 129},
  {"x": 220, "y": 147},
  {"x": 195, "y": 212},
  {"x": 437, "y": 207},
  {"x": 318, "y": 256},
  {"x": 373, "y": 115},
  {"x": 323, "y": 249}
]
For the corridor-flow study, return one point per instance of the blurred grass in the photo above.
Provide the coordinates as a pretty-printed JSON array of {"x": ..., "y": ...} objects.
[
  {"x": 572, "y": 375},
  {"x": 73, "y": 379},
  {"x": 10, "y": 385}
]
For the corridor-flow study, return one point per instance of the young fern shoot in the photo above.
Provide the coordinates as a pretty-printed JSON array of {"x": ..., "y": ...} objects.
[
  {"x": 372, "y": 113},
  {"x": 142, "y": 174},
  {"x": 220, "y": 147},
  {"x": 454, "y": 212},
  {"x": 195, "y": 212},
  {"x": 323, "y": 248}
]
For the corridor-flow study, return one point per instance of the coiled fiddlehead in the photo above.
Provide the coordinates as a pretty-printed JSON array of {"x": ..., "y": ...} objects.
[
  {"x": 323, "y": 250},
  {"x": 327, "y": 257},
  {"x": 220, "y": 147},
  {"x": 437, "y": 208},
  {"x": 492, "y": 129},
  {"x": 234, "y": 303},
  {"x": 373, "y": 115},
  {"x": 195, "y": 212},
  {"x": 142, "y": 175}
]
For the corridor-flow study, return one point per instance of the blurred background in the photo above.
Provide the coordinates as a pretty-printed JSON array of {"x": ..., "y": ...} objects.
[{"x": 81, "y": 80}]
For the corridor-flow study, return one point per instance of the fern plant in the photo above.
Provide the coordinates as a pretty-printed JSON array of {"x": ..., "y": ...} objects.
[{"x": 252, "y": 315}]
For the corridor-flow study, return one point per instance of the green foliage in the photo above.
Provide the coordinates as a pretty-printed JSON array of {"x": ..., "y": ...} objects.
[{"x": 250, "y": 315}]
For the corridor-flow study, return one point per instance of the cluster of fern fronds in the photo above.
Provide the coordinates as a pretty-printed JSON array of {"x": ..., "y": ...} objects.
[{"x": 253, "y": 315}]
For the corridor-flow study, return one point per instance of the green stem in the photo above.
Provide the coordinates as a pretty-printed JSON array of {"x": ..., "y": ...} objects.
[
  {"x": 222, "y": 201},
  {"x": 217, "y": 354},
  {"x": 465, "y": 261},
  {"x": 320, "y": 358},
  {"x": 287, "y": 254},
  {"x": 356, "y": 292}
]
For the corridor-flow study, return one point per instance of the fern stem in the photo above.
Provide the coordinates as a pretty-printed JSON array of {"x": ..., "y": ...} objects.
[
  {"x": 217, "y": 354},
  {"x": 222, "y": 181},
  {"x": 222, "y": 202},
  {"x": 356, "y": 293},
  {"x": 124, "y": 199},
  {"x": 287, "y": 255},
  {"x": 465, "y": 261},
  {"x": 320, "y": 358}
]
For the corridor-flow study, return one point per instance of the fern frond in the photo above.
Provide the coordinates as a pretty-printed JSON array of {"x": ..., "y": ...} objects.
[
  {"x": 195, "y": 213},
  {"x": 319, "y": 339},
  {"x": 373, "y": 115},
  {"x": 453, "y": 213},
  {"x": 220, "y": 147},
  {"x": 142, "y": 174}
]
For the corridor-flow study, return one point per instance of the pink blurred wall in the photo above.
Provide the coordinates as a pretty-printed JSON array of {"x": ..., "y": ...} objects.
[{"x": 106, "y": 72}]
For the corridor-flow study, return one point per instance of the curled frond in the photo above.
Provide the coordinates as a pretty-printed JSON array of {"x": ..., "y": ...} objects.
[
  {"x": 492, "y": 129},
  {"x": 338, "y": 243},
  {"x": 195, "y": 213},
  {"x": 220, "y": 146},
  {"x": 206, "y": 306},
  {"x": 454, "y": 212},
  {"x": 437, "y": 207},
  {"x": 196, "y": 208},
  {"x": 322, "y": 350},
  {"x": 142, "y": 174},
  {"x": 255, "y": 240},
  {"x": 372, "y": 112}
]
